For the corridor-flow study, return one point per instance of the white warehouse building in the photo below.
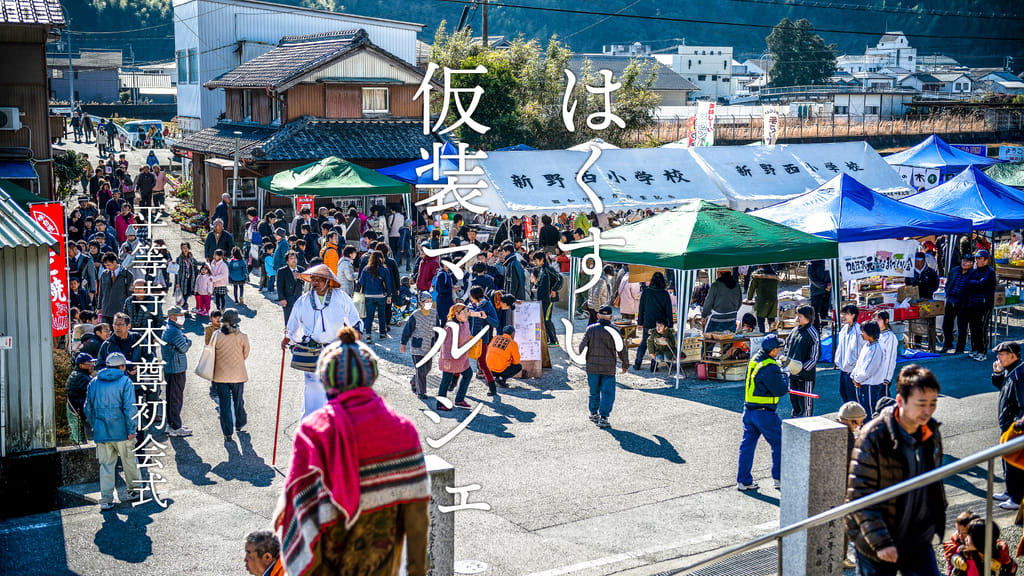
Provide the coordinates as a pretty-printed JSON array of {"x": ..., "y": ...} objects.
[
  {"x": 212, "y": 37},
  {"x": 709, "y": 67}
]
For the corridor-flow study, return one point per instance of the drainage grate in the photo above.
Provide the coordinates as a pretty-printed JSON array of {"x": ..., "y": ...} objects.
[{"x": 763, "y": 562}]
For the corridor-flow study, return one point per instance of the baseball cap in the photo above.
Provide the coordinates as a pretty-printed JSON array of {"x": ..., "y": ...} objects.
[
  {"x": 1011, "y": 347},
  {"x": 115, "y": 359},
  {"x": 605, "y": 310},
  {"x": 919, "y": 256},
  {"x": 967, "y": 256},
  {"x": 770, "y": 342},
  {"x": 281, "y": 232},
  {"x": 982, "y": 254},
  {"x": 83, "y": 357}
]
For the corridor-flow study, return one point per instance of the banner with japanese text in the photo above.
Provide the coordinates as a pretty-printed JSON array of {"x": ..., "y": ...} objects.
[
  {"x": 771, "y": 125},
  {"x": 304, "y": 202},
  {"x": 920, "y": 178},
  {"x": 859, "y": 260},
  {"x": 51, "y": 217},
  {"x": 703, "y": 131}
]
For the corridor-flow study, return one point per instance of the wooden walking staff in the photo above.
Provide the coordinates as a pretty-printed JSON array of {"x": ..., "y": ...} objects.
[{"x": 277, "y": 421}]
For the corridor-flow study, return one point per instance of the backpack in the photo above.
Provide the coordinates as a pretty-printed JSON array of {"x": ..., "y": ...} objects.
[{"x": 557, "y": 281}]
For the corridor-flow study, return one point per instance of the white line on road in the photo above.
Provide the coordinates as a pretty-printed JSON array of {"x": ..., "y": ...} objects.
[{"x": 636, "y": 554}]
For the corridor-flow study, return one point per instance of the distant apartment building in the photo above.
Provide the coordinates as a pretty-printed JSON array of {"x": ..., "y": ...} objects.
[
  {"x": 953, "y": 84},
  {"x": 892, "y": 53},
  {"x": 94, "y": 74},
  {"x": 709, "y": 67},
  {"x": 213, "y": 37}
]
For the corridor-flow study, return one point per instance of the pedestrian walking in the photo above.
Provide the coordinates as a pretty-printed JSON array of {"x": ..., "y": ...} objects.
[
  {"x": 174, "y": 352},
  {"x": 238, "y": 275},
  {"x": 357, "y": 469},
  {"x": 115, "y": 284},
  {"x": 847, "y": 350},
  {"x": 802, "y": 350},
  {"x": 231, "y": 349},
  {"x": 218, "y": 239},
  {"x": 764, "y": 291},
  {"x": 454, "y": 361},
  {"x": 904, "y": 441},
  {"x": 765, "y": 385},
  {"x": 203, "y": 290},
  {"x": 1008, "y": 378},
  {"x": 419, "y": 335},
  {"x": 375, "y": 283},
  {"x": 869, "y": 372},
  {"x": 955, "y": 312},
  {"x": 602, "y": 344},
  {"x": 483, "y": 318},
  {"x": 110, "y": 411}
]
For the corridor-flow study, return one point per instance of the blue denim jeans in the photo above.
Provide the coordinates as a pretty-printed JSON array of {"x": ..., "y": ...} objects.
[
  {"x": 913, "y": 561},
  {"x": 448, "y": 380},
  {"x": 868, "y": 396},
  {"x": 602, "y": 393},
  {"x": 231, "y": 406},
  {"x": 375, "y": 305},
  {"x": 757, "y": 423}
]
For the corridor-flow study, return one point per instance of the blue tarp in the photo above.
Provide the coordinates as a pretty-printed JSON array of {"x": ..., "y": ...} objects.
[
  {"x": 17, "y": 170},
  {"x": 845, "y": 210},
  {"x": 935, "y": 153},
  {"x": 407, "y": 172},
  {"x": 973, "y": 195}
]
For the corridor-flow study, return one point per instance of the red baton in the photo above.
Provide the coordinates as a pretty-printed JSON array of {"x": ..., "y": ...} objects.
[{"x": 807, "y": 394}]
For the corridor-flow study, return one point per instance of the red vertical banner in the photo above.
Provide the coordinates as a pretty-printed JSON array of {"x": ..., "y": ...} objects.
[
  {"x": 51, "y": 217},
  {"x": 304, "y": 202}
]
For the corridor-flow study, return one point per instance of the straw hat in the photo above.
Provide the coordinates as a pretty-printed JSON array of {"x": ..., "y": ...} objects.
[{"x": 322, "y": 271}]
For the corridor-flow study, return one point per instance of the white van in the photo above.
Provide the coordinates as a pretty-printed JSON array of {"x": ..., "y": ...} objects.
[{"x": 139, "y": 129}]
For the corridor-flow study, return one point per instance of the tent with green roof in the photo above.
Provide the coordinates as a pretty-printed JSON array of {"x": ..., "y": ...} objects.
[
  {"x": 699, "y": 235},
  {"x": 1010, "y": 174},
  {"x": 21, "y": 196},
  {"x": 332, "y": 177}
]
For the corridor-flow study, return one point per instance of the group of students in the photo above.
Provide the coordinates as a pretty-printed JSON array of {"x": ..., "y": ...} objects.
[{"x": 865, "y": 354}]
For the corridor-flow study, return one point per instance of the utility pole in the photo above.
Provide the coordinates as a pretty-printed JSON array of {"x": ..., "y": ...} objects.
[
  {"x": 485, "y": 24},
  {"x": 71, "y": 78}
]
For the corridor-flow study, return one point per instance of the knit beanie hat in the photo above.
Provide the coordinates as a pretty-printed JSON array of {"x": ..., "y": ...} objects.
[{"x": 346, "y": 364}]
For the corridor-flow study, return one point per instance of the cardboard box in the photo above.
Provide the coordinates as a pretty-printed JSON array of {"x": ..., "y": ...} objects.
[
  {"x": 904, "y": 292},
  {"x": 639, "y": 273},
  {"x": 805, "y": 291},
  {"x": 931, "y": 308},
  {"x": 1000, "y": 298}
]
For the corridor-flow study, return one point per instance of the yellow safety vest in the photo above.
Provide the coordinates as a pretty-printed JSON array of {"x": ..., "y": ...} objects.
[{"x": 752, "y": 368}]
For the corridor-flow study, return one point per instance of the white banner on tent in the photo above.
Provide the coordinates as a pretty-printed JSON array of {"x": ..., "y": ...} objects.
[
  {"x": 918, "y": 178},
  {"x": 857, "y": 159},
  {"x": 638, "y": 175},
  {"x": 859, "y": 260},
  {"x": 703, "y": 133},
  {"x": 770, "y": 125},
  {"x": 756, "y": 176}
]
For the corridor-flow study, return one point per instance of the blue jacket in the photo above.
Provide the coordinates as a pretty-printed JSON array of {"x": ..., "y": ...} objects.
[
  {"x": 238, "y": 270},
  {"x": 956, "y": 286},
  {"x": 477, "y": 324},
  {"x": 281, "y": 253},
  {"x": 174, "y": 349},
  {"x": 379, "y": 285},
  {"x": 110, "y": 406},
  {"x": 981, "y": 287}
]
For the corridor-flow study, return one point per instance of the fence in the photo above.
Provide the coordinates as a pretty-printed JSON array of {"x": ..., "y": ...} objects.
[{"x": 793, "y": 129}]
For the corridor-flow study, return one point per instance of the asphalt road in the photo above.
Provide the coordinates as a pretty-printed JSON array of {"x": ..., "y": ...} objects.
[{"x": 654, "y": 491}]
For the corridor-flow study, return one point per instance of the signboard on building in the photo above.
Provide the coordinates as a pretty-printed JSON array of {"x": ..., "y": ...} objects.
[
  {"x": 1011, "y": 153},
  {"x": 977, "y": 149},
  {"x": 51, "y": 217}
]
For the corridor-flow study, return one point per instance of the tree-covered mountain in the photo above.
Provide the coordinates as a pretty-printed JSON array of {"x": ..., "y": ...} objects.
[{"x": 933, "y": 26}]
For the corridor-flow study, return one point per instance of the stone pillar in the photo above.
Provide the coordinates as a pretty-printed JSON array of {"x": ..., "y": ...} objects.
[
  {"x": 442, "y": 526},
  {"x": 813, "y": 481}
]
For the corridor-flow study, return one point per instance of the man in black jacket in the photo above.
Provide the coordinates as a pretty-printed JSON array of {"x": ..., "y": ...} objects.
[
  {"x": 1008, "y": 378},
  {"x": 115, "y": 286},
  {"x": 821, "y": 291},
  {"x": 223, "y": 210},
  {"x": 902, "y": 442},
  {"x": 144, "y": 183},
  {"x": 515, "y": 276},
  {"x": 602, "y": 344},
  {"x": 548, "y": 236},
  {"x": 78, "y": 381},
  {"x": 981, "y": 290},
  {"x": 218, "y": 239},
  {"x": 545, "y": 293},
  {"x": 289, "y": 286},
  {"x": 927, "y": 282}
]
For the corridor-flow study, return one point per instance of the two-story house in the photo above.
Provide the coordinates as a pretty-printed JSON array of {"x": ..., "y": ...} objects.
[{"x": 331, "y": 94}]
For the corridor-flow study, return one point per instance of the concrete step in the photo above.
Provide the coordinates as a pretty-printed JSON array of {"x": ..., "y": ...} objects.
[{"x": 88, "y": 494}]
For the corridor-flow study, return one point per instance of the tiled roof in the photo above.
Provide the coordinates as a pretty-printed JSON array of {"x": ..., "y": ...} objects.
[
  {"x": 293, "y": 56},
  {"x": 31, "y": 12},
  {"x": 666, "y": 80},
  {"x": 18, "y": 228},
  {"x": 220, "y": 139},
  {"x": 313, "y": 138}
]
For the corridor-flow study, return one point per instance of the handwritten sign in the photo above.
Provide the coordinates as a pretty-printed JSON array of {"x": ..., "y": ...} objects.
[{"x": 877, "y": 258}]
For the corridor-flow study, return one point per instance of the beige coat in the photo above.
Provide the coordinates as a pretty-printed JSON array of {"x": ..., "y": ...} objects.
[{"x": 231, "y": 353}]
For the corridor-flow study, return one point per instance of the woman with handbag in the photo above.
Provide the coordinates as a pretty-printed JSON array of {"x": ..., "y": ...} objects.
[
  {"x": 185, "y": 277},
  {"x": 453, "y": 363},
  {"x": 231, "y": 349}
]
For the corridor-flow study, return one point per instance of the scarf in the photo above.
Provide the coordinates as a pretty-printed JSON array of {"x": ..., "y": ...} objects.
[{"x": 354, "y": 455}]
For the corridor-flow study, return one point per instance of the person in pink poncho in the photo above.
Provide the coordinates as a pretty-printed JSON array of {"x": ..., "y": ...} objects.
[{"x": 357, "y": 489}]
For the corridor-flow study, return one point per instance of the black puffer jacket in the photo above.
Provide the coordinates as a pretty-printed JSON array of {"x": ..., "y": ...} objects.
[
  {"x": 76, "y": 387},
  {"x": 886, "y": 455},
  {"x": 655, "y": 304}
]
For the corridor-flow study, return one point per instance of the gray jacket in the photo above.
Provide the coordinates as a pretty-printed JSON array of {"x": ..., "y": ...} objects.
[
  {"x": 174, "y": 349},
  {"x": 722, "y": 302},
  {"x": 419, "y": 330},
  {"x": 347, "y": 275}
]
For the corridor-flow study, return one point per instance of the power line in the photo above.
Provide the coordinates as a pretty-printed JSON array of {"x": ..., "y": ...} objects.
[
  {"x": 883, "y": 9},
  {"x": 87, "y": 33},
  {"x": 720, "y": 23}
]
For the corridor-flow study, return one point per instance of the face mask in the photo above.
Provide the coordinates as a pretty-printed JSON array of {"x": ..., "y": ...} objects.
[{"x": 428, "y": 305}]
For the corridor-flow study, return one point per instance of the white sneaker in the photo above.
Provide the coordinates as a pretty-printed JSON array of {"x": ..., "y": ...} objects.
[
  {"x": 1002, "y": 496},
  {"x": 777, "y": 484},
  {"x": 746, "y": 487},
  {"x": 180, "y": 432},
  {"x": 107, "y": 506},
  {"x": 1009, "y": 505}
]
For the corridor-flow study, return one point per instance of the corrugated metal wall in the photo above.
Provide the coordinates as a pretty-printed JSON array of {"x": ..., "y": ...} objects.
[
  {"x": 25, "y": 315},
  {"x": 365, "y": 65}
]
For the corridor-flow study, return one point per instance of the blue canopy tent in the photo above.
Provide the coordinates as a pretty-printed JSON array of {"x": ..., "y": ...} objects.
[
  {"x": 406, "y": 172},
  {"x": 971, "y": 194},
  {"x": 515, "y": 148},
  {"x": 934, "y": 152},
  {"x": 845, "y": 210}
]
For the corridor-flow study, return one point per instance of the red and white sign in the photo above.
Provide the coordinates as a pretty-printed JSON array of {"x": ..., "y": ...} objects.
[
  {"x": 304, "y": 202},
  {"x": 51, "y": 217}
]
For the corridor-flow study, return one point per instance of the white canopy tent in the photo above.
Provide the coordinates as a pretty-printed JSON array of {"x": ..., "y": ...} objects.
[{"x": 856, "y": 159}]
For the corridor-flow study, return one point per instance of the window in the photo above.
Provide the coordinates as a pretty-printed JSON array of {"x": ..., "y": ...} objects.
[
  {"x": 843, "y": 110},
  {"x": 246, "y": 188},
  {"x": 725, "y": 78},
  {"x": 182, "y": 67},
  {"x": 701, "y": 77},
  {"x": 246, "y": 105},
  {"x": 871, "y": 110},
  {"x": 275, "y": 110},
  {"x": 714, "y": 77},
  {"x": 193, "y": 65},
  {"x": 57, "y": 73},
  {"x": 375, "y": 100},
  {"x": 689, "y": 63}
]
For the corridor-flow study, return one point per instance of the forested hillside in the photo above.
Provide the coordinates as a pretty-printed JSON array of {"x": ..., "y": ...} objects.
[{"x": 934, "y": 26}]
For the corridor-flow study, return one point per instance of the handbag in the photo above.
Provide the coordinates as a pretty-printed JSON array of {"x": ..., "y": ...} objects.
[
  {"x": 204, "y": 368},
  {"x": 359, "y": 300},
  {"x": 477, "y": 349},
  {"x": 305, "y": 356},
  {"x": 173, "y": 267}
]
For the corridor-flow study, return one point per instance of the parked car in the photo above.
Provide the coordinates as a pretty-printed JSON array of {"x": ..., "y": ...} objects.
[{"x": 138, "y": 132}]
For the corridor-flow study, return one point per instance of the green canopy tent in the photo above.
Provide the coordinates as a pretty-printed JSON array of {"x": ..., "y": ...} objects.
[
  {"x": 1010, "y": 174},
  {"x": 700, "y": 235},
  {"x": 333, "y": 177},
  {"x": 21, "y": 196}
]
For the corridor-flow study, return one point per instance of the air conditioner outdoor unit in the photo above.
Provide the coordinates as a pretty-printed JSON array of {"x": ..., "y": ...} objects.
[{"x": 10, "y": 119}]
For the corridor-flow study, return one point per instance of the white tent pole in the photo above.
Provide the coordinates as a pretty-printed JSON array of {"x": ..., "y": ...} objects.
[
  {"x": 574, "y": 264},
  {"x": 683, "y": 290}
]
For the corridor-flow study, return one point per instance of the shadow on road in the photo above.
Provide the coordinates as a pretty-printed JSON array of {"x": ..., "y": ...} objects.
[
  {"x": 127, "y": 538},
  {"x": 637, "y": 444},
  {"x": 190, "y": 464},
  {"x": 962, "y": 481},
  {"x": 244, "y": 464}
]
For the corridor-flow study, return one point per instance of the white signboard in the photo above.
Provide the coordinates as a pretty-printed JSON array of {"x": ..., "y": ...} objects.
[
  {"x": 1011, "y": 153},
  {"x": 703, "y": 132},
  {"x": 771, "y": 126},
  {"x": 918, "y": 178},
  {"x": 528, "y": 326},
  {"x": 859, "y": 260}
]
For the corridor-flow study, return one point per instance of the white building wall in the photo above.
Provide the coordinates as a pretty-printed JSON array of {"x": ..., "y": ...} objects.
[
  {"x": 215, "y": 28},
  {"x": 709, "y": 67}
]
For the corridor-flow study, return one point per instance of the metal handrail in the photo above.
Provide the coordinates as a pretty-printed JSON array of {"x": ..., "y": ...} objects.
[{"x": 941, "y": 473}]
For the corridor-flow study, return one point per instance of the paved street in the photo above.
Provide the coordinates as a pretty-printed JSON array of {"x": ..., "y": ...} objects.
[{"x": 655, "y": 491}]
